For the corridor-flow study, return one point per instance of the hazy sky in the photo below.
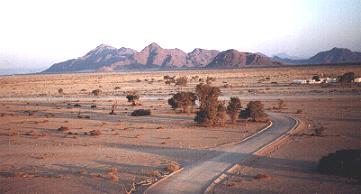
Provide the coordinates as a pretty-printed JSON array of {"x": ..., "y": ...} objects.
[{"x": 38, "y": 33}]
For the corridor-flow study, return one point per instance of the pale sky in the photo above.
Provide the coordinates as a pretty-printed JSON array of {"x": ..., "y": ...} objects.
[{"x": 38, "y": 33}]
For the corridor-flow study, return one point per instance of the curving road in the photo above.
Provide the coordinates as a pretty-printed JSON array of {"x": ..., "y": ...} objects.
[{"x": 195, "y": 178}]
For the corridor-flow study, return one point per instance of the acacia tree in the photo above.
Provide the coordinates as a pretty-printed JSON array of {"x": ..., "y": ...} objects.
[
  {"x": 183, "y": 100},
  {"x": 233, "y": 108},
  {"x": 208, "y": 97},
  {"x": 254, "y": 110}
]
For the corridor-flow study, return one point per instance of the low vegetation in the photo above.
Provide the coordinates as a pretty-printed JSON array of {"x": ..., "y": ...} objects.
[{"x": 141, "y": 112}]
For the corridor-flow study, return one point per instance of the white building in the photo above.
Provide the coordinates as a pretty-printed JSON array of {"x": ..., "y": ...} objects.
[
  {"x": 357, "y": 80},
  {"x": 299, "y": 81}
]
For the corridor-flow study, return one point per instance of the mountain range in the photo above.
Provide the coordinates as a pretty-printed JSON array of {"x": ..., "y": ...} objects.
[
  {"x": 153, "y": 56},
  {"x": 333, "y": 56}
]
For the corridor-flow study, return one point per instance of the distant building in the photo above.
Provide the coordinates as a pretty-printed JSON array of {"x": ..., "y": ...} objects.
[
  {"x": 357, "y": 80},
  {"x": 299, "y": 81},
  {"x": 330, "y": 80}
]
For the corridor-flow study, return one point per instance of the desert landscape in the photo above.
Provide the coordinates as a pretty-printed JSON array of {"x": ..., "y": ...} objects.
[{"x": 75, "y": 133}]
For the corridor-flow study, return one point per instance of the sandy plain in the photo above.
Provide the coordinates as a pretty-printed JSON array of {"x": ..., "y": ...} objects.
[{"x": 37, "y": 158}]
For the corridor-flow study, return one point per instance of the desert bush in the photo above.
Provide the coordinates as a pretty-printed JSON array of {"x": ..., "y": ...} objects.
[
  {"x": 93, "y": 106},
  {"x": 209, "y": 80},
  {"x": 172, "y": 167},
  {"x": 299, "y": 111},
  {"x": 133, "y": 97},
  {"x": 342, "y": 163},
  {"x": 141, "y": 112},
  {"x": 316, "y": 78},
  {"x": 347, "y": 78},
  {"x": 60, "y": 90},
  {"x": 254, "y": 110},
  {"x": 96, "y": 92},
  {"x": 95, "y": 132},
  {"x": 183, "y": 100},
  {"x": 62, "y": 128},
  {"x": 319, "y": 131},
  {"x": 233, "y": 108},
  {"x": 117, "y": 88},
  {"x": 281, "y": 104},
  {"x": 181, "y": 81},
  {"x": 208, "y": 97}
]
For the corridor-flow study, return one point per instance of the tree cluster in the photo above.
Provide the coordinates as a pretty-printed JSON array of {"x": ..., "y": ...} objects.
[{"x": 183, "y": 100}]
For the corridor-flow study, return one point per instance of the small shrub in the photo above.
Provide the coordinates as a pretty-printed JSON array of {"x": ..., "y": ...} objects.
[
  {"x": 77, "y": 105},
  {"x": 112, "y": 171},
  {"x": 299, "y": 111},
  {"x": 93, "y": 106},
  {"x": 96, "y": 92},
  {"x": 60, "y": 90},
  {"x": 95, "y": 132},
  {"x": 133, "y": 97},
  {"x": 209, "y": 80},
  {"x": 141, "y": 112},
  {"x": 182, "y": 81},
  {"x": 281, "y": 104},
  {"x": 62, "y": 128},
  {"x": 319, "y": 131},
  {"x": 155, "y": 173},
  {"x": 170, "y": 168}
]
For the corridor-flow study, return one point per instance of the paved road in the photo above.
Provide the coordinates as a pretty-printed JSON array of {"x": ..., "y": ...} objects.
[{"x": 195, "y": 178}]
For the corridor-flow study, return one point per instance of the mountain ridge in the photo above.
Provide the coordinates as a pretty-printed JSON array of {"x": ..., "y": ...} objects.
[{"x": 153, "y": 56}]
